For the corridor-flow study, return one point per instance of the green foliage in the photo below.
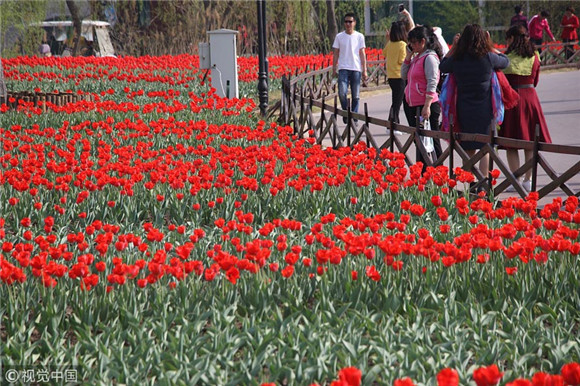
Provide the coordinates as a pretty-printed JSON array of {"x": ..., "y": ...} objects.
[
  {"x": 296, "y": 26},
  {"x": 450, "y": 16},
  {"x": 301, "y": 329},
  {"x": 17, "y": 37},
  {"x": 345, "y": 6},
  {"x": 384, "y": 14},
  {"x": 293, "y": 27}
]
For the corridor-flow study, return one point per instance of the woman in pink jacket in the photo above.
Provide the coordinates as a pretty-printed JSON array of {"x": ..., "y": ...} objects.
[{"x": 421, "y": 71}]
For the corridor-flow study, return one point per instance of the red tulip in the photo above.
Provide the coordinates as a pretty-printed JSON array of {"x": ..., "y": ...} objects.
[
  {"x": 448, "y": 377},
  {"x": 571, "y": 373},
  {"x": 288, "y": 271},
  {"x": 543, "y": 379},
  {"x": 520, "y": 382},
  {"x": 350, "y": 376},
  {"x": 403, "y": 382},
  {"x": 511, "y": 270},
  {"x": 487, "y": 376}
]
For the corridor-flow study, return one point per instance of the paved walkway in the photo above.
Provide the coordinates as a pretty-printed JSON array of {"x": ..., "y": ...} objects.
[{"x": 559, "y": 94}]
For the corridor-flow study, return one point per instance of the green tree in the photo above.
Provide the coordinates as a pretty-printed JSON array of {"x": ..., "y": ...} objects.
[
  {"x": 177, "y": 26},
  {"x": 450, "y": 16},
  {"x": 15, "y": 20},
  {"x": 332, "y": 25}
]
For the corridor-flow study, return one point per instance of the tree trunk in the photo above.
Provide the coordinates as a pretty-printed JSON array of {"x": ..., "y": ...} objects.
[
  {"x": 319, "y": 9},
  {"x": 332, "y": 28},
  {"x": 77, "y": 24},
  {"x": 208, "y": 7},
  {"x": 225, "y": 21}
]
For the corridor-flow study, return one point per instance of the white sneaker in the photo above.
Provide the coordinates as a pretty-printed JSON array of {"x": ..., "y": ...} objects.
[
  {"x": 397, "y": 132},
  {"x": 527, "y": 185}
]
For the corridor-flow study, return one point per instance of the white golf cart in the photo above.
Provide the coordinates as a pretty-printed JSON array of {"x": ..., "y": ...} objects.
[{"x": 95, "y": 39}]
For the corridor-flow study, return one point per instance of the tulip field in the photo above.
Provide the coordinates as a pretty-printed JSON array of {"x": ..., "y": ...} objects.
[{"x": 155, "y": 233}]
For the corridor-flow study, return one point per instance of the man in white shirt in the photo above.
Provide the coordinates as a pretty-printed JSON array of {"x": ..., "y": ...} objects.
[{"x": 349, "y": 62}]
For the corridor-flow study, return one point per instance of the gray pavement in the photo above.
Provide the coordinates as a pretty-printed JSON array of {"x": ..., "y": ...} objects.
[{"x": 559, "y": 94}]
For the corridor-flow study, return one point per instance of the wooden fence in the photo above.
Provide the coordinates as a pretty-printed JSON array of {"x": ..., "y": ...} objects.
[
  {"x": 41, "y": 99},
  {"x": 304, "y": 106}
]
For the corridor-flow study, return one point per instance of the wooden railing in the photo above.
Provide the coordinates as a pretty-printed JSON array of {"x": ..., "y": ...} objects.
[
  {"x": 41, "y": 99},
  {"x": 304, "y": 105},
  {"x": 553, "y": 56}
]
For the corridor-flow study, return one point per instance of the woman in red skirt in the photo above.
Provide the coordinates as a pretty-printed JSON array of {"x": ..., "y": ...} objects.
[{"x": 523, "y": 75}]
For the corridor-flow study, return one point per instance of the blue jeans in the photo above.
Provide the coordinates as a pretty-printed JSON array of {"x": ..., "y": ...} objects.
[{"x": 346, "y": 78}]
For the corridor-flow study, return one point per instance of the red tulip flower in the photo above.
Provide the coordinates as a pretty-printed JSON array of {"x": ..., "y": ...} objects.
[
  {"x": 403, "y": 382},
  {"x": 487, "y": 376},
  {"x": 350, "y": 376},
  {"x": 448, "y": 377},
  {"x": 571, "y": 373}
]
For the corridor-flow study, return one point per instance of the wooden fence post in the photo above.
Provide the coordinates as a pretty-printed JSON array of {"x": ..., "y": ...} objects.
[
  {"x": 301, "y": 119},
  {"x": 335, "y": 109},
  {"x": 392, "y": 131},
  {"x": 451, "y": 146},
  {"x": 322, "y": 116},
  {"x": 535, "y": 157},
  {"x": 348, "y": 123},
  {"x": 367, "y": 123},
  {"x": 283, "y": 101},
  {"x": 294, "y": 94},
  {"x": 294, "y": 106},
  {"x": 418, "y": 155},
  {"x": 43, "y": 102},
  {"x": 310, "y": 121},
  {"x": 289, "y": 105},
  {"x": 492, "y": 136}
]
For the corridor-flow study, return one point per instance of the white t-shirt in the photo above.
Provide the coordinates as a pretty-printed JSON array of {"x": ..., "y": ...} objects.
[{"x": 349, "y": 50}]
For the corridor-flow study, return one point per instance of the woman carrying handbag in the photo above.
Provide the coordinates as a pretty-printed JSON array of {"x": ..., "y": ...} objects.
[{"x": 421, "y": 71}]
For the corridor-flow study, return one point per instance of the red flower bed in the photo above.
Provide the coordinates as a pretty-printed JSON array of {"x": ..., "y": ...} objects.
[
  {"x": 87, "y": 158},
  {"x": 483, "y": 376}
]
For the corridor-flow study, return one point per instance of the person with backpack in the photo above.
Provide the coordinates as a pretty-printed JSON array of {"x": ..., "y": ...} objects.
[{"x": 472, "y": 60}]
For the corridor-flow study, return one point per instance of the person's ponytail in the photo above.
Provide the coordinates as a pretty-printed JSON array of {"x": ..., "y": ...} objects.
[{"x": 433, "y": 42}]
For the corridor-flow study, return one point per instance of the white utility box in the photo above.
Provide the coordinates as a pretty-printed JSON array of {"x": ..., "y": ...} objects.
[{"x": 224, "y": 62}]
